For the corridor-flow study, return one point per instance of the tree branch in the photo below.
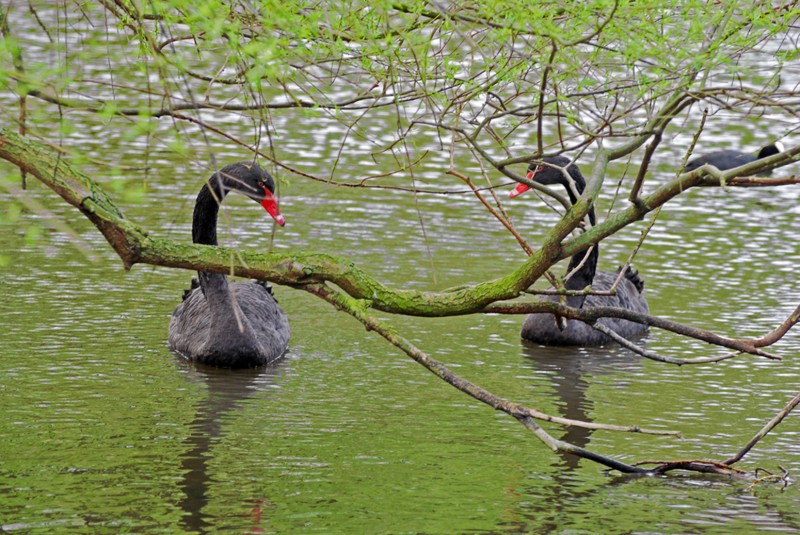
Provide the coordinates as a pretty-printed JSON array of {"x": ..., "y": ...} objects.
[
  {"x": 522, "y": 414},
  {"x": 134, "y": 245},
  {"x": 772, "y": 424}
]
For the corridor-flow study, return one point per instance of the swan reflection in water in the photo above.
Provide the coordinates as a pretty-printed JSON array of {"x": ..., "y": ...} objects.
[
  {"x": 571, "y": 372},
  {"x": 228, "y": 392}
]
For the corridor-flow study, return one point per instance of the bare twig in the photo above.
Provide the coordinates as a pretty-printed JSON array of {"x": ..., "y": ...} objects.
[
  {"x": 503, "y": 220},
  {"x": 783, "y": 413},
  {"x": 782, "y": 477},
  {"x": 653, "y": 355},
  {"x": 694, "y": 465},
  {"x": 593, "y": 314},
  {"x": 524, "y": 415},
  {"x": 648, "y": 154}
]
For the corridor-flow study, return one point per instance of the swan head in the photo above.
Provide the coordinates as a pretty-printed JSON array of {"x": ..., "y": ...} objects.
[
  {"x": 548, "y": 171},
  {"x": 249, "y": 179}
]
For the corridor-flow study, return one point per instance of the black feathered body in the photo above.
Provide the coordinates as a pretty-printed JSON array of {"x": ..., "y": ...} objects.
[
  {"x": 722, "y": 160},
  {"x": 730, "y": 159},
  {"x": 542, "y": 328},
  {"x": 260, "y": 334}
]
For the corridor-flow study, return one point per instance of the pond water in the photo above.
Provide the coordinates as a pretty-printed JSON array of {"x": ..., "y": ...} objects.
[{"x": 103, "y": 430}]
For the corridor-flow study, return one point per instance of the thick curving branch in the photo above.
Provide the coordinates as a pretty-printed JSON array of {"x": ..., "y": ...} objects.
[
  {"x": 358, "y": 291},
  {"x": 134, "y": 245}
]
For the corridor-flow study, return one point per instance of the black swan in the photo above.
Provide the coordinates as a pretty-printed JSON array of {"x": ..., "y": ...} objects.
[
  {"x": 542, "y": 328},
  {"x": 231, "y": 325},
  {"x": 728, "y": 159}
]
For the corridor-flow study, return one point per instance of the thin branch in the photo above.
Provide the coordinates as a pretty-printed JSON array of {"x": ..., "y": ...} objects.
[
  {"x": 542, "y": 86},
  {"x": 648, "y": 155},
  {"x": 624, "y": 342},
  {"x": 778, "y": 418},
  {"x": 503, "y": 220},
  {"x": 694, "y": 465},
  {"x": 521, "y": 413},
  {"x": 783, "y": 477}
]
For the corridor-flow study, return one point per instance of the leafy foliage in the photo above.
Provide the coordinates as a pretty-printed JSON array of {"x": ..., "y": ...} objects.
[{"x": 484, "y": 75}]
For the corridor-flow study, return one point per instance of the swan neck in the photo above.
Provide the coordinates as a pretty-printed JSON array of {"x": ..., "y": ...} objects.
[
  {"x": 204, "y": 219},
  {"x": 583, "y": 277},
  {"x": 204, "y": 231}
]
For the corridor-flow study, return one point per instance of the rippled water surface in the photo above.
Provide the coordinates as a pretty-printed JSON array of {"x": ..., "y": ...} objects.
[{"x": 104, "y": 430}]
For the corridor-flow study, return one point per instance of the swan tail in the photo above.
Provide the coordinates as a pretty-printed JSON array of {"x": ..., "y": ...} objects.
[
  {"x": 195, "y": 284},
  {"x": 633, "y": 276},
  {"x": 267, "y": 287}
]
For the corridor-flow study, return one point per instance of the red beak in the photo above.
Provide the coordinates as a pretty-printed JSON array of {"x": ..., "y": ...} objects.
[
  {"x": 521, "y": 188},
  {"x": 271, "y": 206}
]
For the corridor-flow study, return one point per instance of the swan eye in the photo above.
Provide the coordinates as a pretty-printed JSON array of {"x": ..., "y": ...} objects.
[{"x": 534, "y": 171}]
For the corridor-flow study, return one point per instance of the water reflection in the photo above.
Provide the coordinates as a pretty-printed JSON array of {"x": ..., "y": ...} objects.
[
  {"x": 708, "y": 503},
  {"x": 571, "y": 370},
  {"x": 720, "y": 259},
  {"x": 227, "y": 392},
  {"x": 565, "y": 501}
]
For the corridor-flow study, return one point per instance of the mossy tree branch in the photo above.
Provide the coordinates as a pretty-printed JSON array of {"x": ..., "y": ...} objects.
[
  {"x": 406, "y": 69},
  {"x": 310, "y": 272},
  {"x": 134, "y": 245}
]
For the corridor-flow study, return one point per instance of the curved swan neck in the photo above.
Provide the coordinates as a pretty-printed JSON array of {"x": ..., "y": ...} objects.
[
  {"x": 584, "y": 276},
  {"x": 206, "y": 209},
  {"x": 204, "y": 231}
]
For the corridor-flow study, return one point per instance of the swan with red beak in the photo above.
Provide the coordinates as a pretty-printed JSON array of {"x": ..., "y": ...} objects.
[
  {"x": 544, "y": 328},
  {"x": 222, "y": 323}
]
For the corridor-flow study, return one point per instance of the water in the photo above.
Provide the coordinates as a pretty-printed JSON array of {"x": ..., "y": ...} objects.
[{"x": 104, "y": 430}]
